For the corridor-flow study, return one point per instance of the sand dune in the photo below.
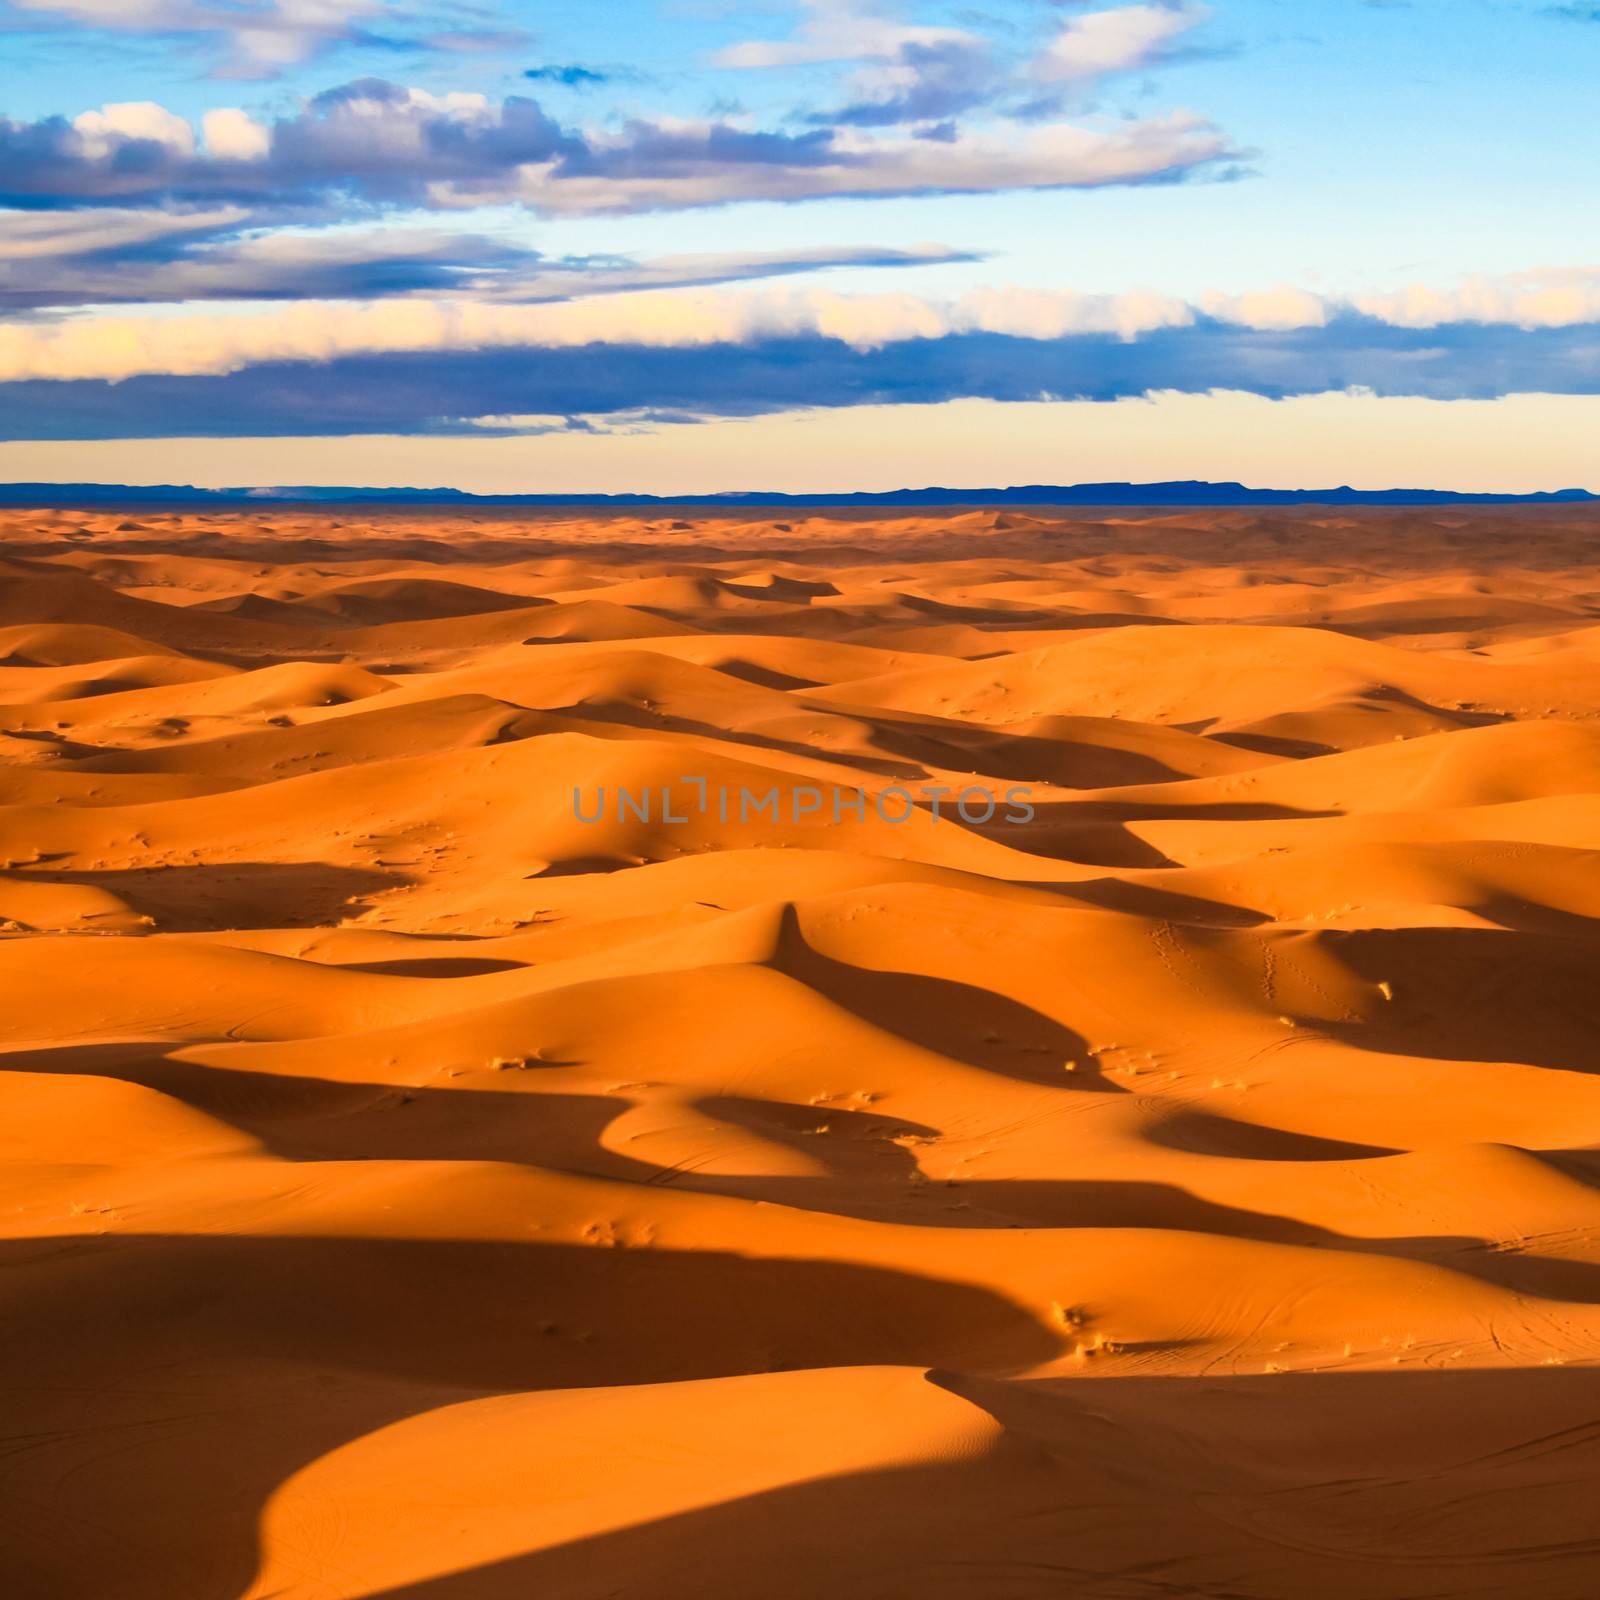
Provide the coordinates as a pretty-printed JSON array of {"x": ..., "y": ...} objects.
[{"x": 424, "y": 1175}]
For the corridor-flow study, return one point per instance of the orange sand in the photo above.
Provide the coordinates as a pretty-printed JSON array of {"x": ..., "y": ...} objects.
[{"x": 412, "y": 1191}]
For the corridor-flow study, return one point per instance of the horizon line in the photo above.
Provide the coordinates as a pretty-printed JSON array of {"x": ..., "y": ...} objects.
[{"x": 1171, "y": 492}]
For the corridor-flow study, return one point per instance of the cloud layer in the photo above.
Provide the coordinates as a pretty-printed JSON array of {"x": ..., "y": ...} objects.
[
  {"x": 386, "y": 144},
  {"x": 113, "y": 348},
  {"x": 433, "y": 392},
  {"x": 416, "y": 367}
]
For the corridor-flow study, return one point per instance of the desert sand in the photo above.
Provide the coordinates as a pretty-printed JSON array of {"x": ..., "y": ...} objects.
[{"x": 412, "y": 1190}]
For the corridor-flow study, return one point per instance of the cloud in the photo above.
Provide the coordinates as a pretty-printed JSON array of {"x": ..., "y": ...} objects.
[
  {"x": 478, "y": 41},
  {"x": 52, "y": 259},
  {"x": 633, "y": 420},
  {"x": 1269, "y": 309},
  {"x": 1546, "y": 298},
  {"x": 118, "y": 347},
  {"x": 103, "y": 133},
  {"x": 231, "y": 135},
  {"x": 930, "y": 74},
  {"x": 182, "y": 259},
  {"x": 383, "y": 143},
  {"x": 836, "y": 31},
  {"x": 428, "y": 391},
  {"x": 569, "y": 77},
  {"x": 675, "y": 166},
  {"x": 1119, "y": 40},
  {"x": 259, "y": 38},
  {"x": 923, "y": 81},
  {"x": 51, "y": 237}
]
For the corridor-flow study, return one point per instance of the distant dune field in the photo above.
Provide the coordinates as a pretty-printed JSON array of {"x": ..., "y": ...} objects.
[{"x": 412, "y": 1189}]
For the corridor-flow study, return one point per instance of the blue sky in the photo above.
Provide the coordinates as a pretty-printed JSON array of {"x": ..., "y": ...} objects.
[{"x": 583, "y": 240}]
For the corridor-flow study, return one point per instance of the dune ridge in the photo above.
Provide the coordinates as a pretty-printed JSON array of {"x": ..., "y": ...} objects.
[{"x": 414, "y": 1191}]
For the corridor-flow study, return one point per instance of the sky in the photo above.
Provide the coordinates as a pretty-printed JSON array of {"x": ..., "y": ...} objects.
[{"x": 687, "y": 245}]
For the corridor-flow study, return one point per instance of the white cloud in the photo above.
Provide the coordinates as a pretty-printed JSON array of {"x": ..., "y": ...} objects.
[
  {"x": 231, "y": 135},
  {"x": 1119, "y": 40},
  {"x": 101, "y": 132},
  {"x": 1056, "y": 313},
  {"x": 1281, "y": 309},
  {"x": 1543, "y": 298}
]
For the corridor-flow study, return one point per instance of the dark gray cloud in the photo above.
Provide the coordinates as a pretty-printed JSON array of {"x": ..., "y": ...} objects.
[{"x": 436, "y": 392}]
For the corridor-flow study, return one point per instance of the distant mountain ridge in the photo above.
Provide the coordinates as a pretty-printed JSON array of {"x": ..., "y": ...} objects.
[{"x": 1185, "y": 492}]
